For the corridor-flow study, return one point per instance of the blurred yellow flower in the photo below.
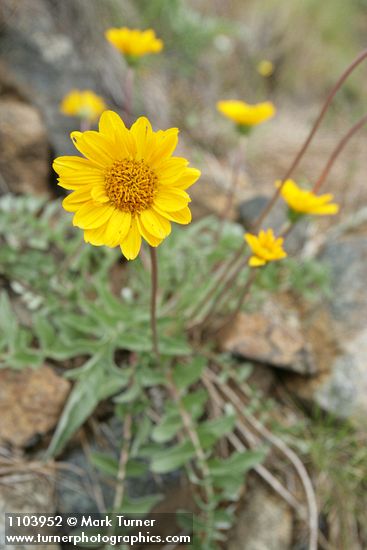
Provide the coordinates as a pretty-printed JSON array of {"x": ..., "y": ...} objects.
[
  {"x": 265, "y": 248},
  {"x": 244, "y": 114},
  {"x": 83, "y": 104},
  {"x": 306, "y": 202},
  {"x": 134, "y": 43},
  {"x": 129, "y": 185},
  {"x": 265, "y": 68}
]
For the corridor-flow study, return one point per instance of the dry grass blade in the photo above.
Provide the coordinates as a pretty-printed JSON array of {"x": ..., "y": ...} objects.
[
  {"x": 252, "y": 441},
  {"x": 289, "y": 453}
]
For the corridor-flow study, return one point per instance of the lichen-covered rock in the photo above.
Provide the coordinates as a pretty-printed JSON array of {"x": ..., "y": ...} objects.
[{"x": 272, "y": 336}]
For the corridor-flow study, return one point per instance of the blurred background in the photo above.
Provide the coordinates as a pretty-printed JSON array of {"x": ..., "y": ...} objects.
[{"x": 213, "y": 50}]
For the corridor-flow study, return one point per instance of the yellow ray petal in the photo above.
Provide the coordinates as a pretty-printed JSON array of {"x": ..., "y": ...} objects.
[
  {"x": 141, "y": 130},
  {"x": 94, "y": 146},
  {"x": 130, "y": 246},
  {"x": 188, "y": 178},
  {"x": 73, "y": 186},
  {"x": 92, "y": 215},
  {"x": 171, "y": 199},
  {"x": 171, "y": 170},
  {"x": 117, "y": 226},
  {"x": 112, "y": 125},
  {"x": 73, "y": 202},
  {"x": 254, "y": 261},
  {"x": 151, "y": 239},
  {"x": 98, "y": 193},
  {"x": 182, "y": 217},
  {"x": 80, "y": 180},
  {"x": 71, "y": 165},
  {"x": 164, "y": 146},
  {"x": 155, "y": 224},
  {"x": 96, "y": 237}
]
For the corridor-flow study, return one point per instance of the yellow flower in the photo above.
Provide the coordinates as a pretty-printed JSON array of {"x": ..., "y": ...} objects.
[
  {"x": 244, "y": 114},
  {"x": 265, "y": 248},
  {"x": 134, "y": 43},
  {"x": 129, "y": 185},
  {"x": 265, "y": 68},
  {"x": 306, "y": 202},
  {"x": 84, "y": 104}
]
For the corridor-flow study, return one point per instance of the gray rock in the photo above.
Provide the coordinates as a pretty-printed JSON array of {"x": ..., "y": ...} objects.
[
  {"x": 347, "y": 259},
  {"x": 250, "y": 210},
  {"x": 265, "y": 523},
  {"x": 342, "y": 386},
  {"x": 80, "y": 488},
  {"x": 49, "y": 55}
]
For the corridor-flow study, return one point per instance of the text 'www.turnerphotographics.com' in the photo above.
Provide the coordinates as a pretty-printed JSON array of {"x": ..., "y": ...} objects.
[{"x": 112, "y": 529}]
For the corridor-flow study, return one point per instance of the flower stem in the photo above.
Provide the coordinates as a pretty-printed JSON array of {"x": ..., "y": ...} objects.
[
  {"x": 129, "y": 93},
  {"x": 84, "y": 125},
  {"x": 338, "y": 149},
  {"x": 313, "y": 131},
  {"x": 153, "y": 301}
]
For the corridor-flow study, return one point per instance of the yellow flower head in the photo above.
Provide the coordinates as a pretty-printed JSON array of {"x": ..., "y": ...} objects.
[
  {"x": 244, "y": 114},
  {"x": 134, "y": 43},
  {"x": 265, "y": 248},
  {"x": 128, "y": 186},
  {"x": 306, "y": 202},
  {"x": 265, "y": 68},
  {"x": 84, "y": 104}
]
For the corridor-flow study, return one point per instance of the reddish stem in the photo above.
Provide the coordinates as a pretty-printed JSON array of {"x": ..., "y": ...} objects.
[
  {"x": 153, "y": 301},
  {"x": 129, "y": 93},
  {"x": 84, "y": 125},
  {"x": 338, "y": 149},
  {"x": 313, "y": 131}
]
